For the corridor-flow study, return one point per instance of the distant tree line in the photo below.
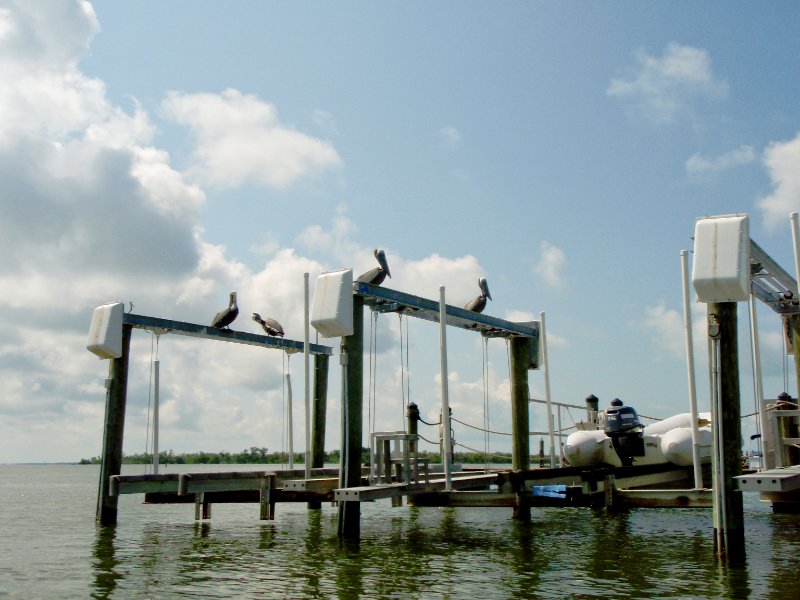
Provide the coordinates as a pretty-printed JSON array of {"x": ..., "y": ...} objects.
[{"x": 263, "y": 456}]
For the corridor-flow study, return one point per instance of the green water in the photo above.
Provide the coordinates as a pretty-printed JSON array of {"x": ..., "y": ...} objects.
[{"x": 51, "y": 548}]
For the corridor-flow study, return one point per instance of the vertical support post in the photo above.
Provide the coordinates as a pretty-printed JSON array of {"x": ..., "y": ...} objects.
[
  {"x": 113, "y": 430},
  {"x": 307, "y": 377},
  {"x": 447, "y": 441},
  {"x": 156, "y": 394},
  {"x": 766, "y": 462},
  {"x": 546, "y": 365},
  {"x": 687, "y": 320},
  {"x": 520, "y": 445},
  {"x": 320, "y": 409},
  {"x": 728, "y": 511},
  {"x": 352, "y": 415}
]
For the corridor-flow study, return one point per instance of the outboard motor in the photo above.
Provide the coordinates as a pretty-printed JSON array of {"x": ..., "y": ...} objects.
[{"x": 623, "y": 427}]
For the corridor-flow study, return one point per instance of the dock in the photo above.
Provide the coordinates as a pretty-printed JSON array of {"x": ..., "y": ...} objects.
[{"x": 654, "y": 486}]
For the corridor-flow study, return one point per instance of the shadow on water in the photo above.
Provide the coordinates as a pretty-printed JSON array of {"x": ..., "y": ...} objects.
[
  {"x": 105, "y": 563},
  {"x": 447, "y": 552}
]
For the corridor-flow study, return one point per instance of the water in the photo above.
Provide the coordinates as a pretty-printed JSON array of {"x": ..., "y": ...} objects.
[{"x": 51, "y": 548}]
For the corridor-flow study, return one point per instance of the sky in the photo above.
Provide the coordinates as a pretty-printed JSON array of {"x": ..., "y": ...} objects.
[{"x": 165, "y": 154}]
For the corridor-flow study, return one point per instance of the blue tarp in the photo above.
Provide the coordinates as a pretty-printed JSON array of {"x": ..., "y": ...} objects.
[{"x": 551, "y": 491}]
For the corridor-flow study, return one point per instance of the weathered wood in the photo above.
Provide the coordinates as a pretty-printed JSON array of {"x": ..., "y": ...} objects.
[
  {"x": 349, "y": 525},
  {"x": 320, "y": 403},
  {"x": 729, "y": 518},
  {"x": 520, "y": 445},
  {"x": 113, "y": 430}
]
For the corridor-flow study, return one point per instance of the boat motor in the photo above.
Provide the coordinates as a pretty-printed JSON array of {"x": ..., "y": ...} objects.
[{"x": 622, "y": 425}]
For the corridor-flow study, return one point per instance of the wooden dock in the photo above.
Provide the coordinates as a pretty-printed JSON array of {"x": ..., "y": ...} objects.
[{"x": 620, "y": 487}]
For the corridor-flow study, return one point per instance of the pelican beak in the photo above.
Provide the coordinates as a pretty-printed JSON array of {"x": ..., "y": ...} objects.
[{"x": 381, "y": 256}]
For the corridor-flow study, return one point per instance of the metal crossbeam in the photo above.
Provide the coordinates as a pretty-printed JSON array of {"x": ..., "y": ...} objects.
[
  {"x": 771, "y": 284},
  {"x": 383, "y": 299},
  {"x": 215, "y": 333}
]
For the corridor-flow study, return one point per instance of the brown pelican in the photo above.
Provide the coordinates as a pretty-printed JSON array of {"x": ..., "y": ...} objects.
[
  {"x": 378, "y": 274},
  {"x": 271, "y": 326},
  {"x": 479, "y": 303},
  {"x": 227, "y": 316}
]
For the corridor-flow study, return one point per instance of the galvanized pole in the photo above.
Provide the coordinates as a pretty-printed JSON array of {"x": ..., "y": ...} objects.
[
  {"x": 352, "y": 415},
  {"x": 447, "y": 442},
  {"x": 306, "y": 373},
  {"x": 290, "y": 425},
  {"x": 156, "y": 393},
  {"x": 113, "y": 430},
  {"x": 762, "y": 415},
  {"x": 794, "y": 320},
  {"x": 687, "y": 321}
]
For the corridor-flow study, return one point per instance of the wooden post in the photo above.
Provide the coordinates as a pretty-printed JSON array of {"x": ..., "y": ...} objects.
[
  {"x": 728, "y": 511},
  {"x": 113, "y": 429},
  {"x": 352, "y": 414},
  {"x": 320, "y": 408},
  {"x": 520, "y": 446}
]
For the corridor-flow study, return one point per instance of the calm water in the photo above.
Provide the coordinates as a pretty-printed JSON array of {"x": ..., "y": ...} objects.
[{"x": 51, "y": 548}]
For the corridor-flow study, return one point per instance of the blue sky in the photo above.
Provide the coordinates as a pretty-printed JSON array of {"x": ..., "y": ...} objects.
[{"x": 167, "y": 153}]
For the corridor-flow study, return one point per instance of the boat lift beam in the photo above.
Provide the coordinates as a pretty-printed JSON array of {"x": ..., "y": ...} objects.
[
  {"x": 383, "y": 299},
  {"x": 215, "y": 333},
  {"x": 771, "y": 284}
]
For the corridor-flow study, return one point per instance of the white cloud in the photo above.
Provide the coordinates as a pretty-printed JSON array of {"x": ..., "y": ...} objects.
[
  {"x": 661, "y": 88},
  {"x": 450, "y": 135},
  {"x": 551, "y": 265},
  {"x": 240, "y": 139},
  {"x": 699, "y": 165},
  {"x": 782, "y": 160}
]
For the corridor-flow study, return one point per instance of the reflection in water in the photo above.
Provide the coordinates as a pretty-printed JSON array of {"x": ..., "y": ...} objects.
[{"x": 105, "y": 563}]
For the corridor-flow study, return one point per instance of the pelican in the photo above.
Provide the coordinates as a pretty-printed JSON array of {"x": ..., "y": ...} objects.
[
  {"x": 271, "y": 326},
  {"x": 378, "y": 274},
  {"x": 227, "y": 316},
  {"x": 479, "y": 303}
]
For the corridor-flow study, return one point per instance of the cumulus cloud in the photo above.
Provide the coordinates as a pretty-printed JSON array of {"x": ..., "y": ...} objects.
[
  {"x": 551, "y": 265},
  {"x": 782, "y": 160},
  {"x": 661, "y": 88},
  {"x": 450, "y": 135},
  {"x": 699, "y": 165},
  {"x": 240, "y": 139}
]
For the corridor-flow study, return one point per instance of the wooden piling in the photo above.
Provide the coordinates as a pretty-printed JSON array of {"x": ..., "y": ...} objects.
[
  {"x": 352, "y": 414},
  {"x": 320, "y": 402},
  {"x": 520, "y": 445},
  {"x": 113, "y": 430},
  {"x": 728, "y": 511}
]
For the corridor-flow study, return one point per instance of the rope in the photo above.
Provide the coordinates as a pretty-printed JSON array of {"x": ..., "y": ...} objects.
[
  {"x": 439, "y": 422},
  {"x": 452, "y": 418},
  {"x": 424, "y": 439},
  {"x": 478, "y": 451},
  {"x": 485, "y": 375}
]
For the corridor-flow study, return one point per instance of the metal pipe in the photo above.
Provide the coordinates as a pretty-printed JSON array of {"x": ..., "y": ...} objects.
[
  {"x": 757, "y": 377},
  {"x": 447, "y": 445},
  {"x": 289, "y": 419},
  {"x": 156, "y": 387},
  {"x": 546, "y": 365},
  {"x": 796, "y": 242},
  {"x": 687, "y": 320},
  {"x": 306, "y": 369}
]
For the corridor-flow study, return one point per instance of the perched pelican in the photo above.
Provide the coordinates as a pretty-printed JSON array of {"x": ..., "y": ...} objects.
[
  {"x": 378, "y": 274},
  {"x": 479, "y": 303},
  {"x": 225, "y": 317},
  {"x": 271, "y": 326}
]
